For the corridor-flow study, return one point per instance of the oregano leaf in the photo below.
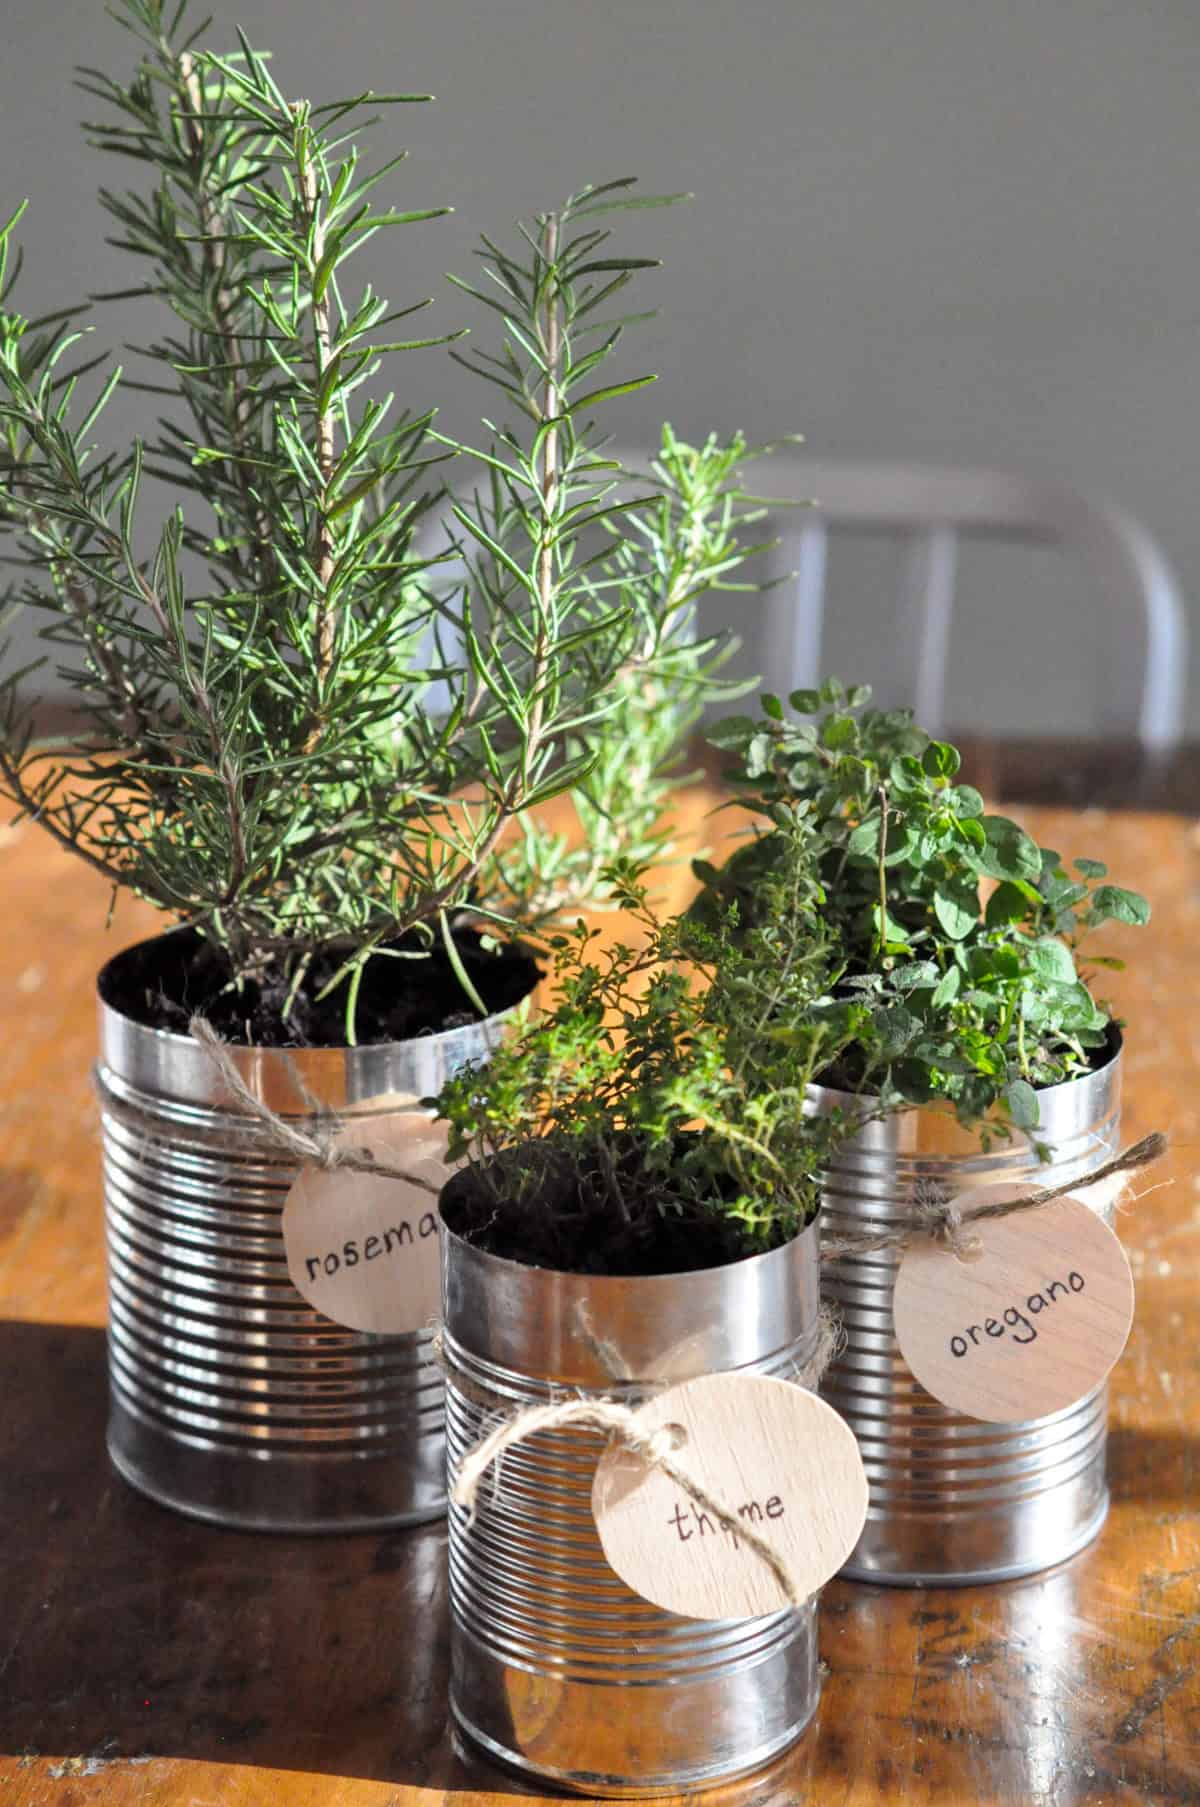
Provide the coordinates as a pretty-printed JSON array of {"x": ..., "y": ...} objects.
[
  {"x": 947, "y": 989},
  {"x": 955, "y": 912},
  {"x": 1113, "y": 903},
  {"x": 1022, "y": 1103}
]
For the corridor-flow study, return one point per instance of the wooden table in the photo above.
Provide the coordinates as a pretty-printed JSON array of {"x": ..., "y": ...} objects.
[{"x": 146, "y": 1659}]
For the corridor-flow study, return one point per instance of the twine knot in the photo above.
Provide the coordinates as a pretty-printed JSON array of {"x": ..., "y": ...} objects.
[
  {"x": 620, "y": 1422},
  {"x": 933, "y": 1214},
  {"x": 318, "y": 1142},
  {"x": 939, "y": 1216}
]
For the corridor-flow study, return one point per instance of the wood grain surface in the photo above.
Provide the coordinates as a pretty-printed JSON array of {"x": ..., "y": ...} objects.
[{"x": 146, "y": 1659}]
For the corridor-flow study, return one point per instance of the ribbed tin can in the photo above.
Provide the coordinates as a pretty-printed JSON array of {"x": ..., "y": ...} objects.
[
  {"x": 557, "y": 1668},
  {"x": 954, "y": 1500},
  {"x": 231, "y": 1398}
]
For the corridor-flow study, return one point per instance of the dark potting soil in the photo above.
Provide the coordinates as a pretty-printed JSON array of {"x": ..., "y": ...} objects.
[
  {"x": 163, "y": 983},
  {"x": 566, "y": 1234}
]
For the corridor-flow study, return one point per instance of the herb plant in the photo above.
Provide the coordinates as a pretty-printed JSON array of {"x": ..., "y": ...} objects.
[
  {"x": 296, "y": 742},
  {"x": 961, "y": 936},
  {"x": 653, "y": 1120},
  {"x": 688, "y": 535}
]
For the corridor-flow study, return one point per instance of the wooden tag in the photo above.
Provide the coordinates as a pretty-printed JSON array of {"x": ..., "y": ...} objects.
[
  {"x": 777, "y": 1456},
  {"x": 1029, "y": 1328},
  {"x": 364, "y": 1248}
]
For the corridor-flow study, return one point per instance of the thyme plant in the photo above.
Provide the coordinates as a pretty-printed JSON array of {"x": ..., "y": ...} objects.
[
  {"x": 296, "y": 742},
  {"x": 961, "y": 935},
  {"x": 654, "y": 1118}
]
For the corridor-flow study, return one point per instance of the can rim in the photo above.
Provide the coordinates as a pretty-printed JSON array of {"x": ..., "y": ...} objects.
[
  {"x": 505, "y": 1263},
  {"x": 176, "y": 1038}
]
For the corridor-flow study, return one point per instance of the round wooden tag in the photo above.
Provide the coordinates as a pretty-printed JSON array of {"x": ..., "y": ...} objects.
[
  {"x": 777, "y": 1457},
  {"x": 1031, "y": 1326},
  {"x": 362, "y": 1247}
]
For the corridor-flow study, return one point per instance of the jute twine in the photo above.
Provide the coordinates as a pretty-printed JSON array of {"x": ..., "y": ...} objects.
[
  {"x": 938, "y": 1218},
  {"x": 652, "y": 1448},
  {"x": 318, "y": 1142},
  {"x": 622, "y": 1424},
  {"x": 934, "y": 1216}
]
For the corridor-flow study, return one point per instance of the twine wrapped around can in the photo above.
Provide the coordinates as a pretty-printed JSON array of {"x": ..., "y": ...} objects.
[
  {"x": 557, "y": 1666},
  {"x": 316, "y": 1142},
  {"x": 621, "y": 1423},
  {"x": 936, "y": 1215},
  {"x": 231, "y": 1397}
]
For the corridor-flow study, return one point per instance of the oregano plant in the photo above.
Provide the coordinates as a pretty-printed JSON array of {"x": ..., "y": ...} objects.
[
  {"x": 963, "y": 939},
  {"x": 295, "y": 741}
]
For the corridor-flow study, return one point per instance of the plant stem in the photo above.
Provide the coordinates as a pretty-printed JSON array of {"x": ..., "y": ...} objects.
[
  {"x": 549, "y": 481},
  {"x": 456, "y": 961},
  {"x": 352, "y": 991},
  {"x": 552, "y": 339},
  {"x": 234, "y": 395},
  {"x": 322, "y": 552},
  {"x": 883, "y": 828}
]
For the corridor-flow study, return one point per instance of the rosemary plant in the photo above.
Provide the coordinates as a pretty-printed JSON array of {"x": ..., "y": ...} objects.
[
  {"x": 589, "y": 572},
  {"x": 297, "y": 743}
]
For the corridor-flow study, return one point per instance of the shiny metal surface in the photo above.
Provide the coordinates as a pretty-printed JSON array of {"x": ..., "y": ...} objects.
[
  {"x": 954, "y": 1500},
  {"x": 557, "y": 1668},
  {"x": 231, "y": 1398}
]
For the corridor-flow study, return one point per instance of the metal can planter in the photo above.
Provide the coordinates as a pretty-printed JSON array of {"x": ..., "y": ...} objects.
[
  {"x": 231, "y": 1398},
  {"x": 954, "y": 1500},
  {"x": 557, "y": 1668}
]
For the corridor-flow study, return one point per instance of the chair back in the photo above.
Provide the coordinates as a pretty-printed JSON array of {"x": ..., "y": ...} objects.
[{"x": 930, "y": 511}]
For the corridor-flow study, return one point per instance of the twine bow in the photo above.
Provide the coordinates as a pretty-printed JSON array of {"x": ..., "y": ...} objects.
[{"x": 654, "y": 1448}]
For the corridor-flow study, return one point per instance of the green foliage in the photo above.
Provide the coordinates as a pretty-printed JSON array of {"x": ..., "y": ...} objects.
[
  {"x": 257, "y": 736},
  {"x": 297, "y": 741},
  {"x": 594, "y": 571},
  {"x": 684, "y": 539},
  {"x": 663, "y": 1096},
  {"x": 971, "y": 992}
]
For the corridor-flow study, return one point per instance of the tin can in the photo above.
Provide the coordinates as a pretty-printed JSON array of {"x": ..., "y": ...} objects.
[
  {"x": 557, "y": 1668},
  {"x": 953, "y": 1500},
  {"x": 231, "y": 1398}
]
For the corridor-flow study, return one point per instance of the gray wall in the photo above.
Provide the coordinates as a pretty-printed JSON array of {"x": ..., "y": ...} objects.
[{"x": 955, "y": 230}]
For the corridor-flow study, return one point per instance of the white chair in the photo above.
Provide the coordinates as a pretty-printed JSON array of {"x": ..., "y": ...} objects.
[{"x": 930, "y": 509}]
